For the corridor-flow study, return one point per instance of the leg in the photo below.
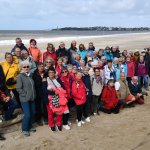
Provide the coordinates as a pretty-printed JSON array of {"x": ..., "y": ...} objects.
[
  {"x": 32, "y": 111},
  {"x": 16, "y": 94},
  {"x": 65, "y": 119},
  {"x": 95, "y": 103},
  {"x": 27, "y": 116},
  {"x": 145, "y": 78},
  {"x": 59, "y": 120},
  {"x": 79, "y": 112},
  {"x": 50, "y": 116}
]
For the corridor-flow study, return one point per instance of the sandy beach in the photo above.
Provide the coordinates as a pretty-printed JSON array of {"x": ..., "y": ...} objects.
[{"x": 128, "y": 130}]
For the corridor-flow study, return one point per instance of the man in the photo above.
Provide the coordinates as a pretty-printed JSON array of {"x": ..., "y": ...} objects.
[
  {"x": 123, "y": 92},
  {"x": 20, "y": 45},
  {"x": 72, "y": 51},
  {"x": 136, "y": 90},
  {"x": 17, "y": 55}
]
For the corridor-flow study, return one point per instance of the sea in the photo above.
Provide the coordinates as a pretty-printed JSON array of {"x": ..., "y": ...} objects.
[{"x": 7, "y": 37}]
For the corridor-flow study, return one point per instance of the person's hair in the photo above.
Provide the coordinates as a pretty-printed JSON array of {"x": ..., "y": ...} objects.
[
  {"x": 51, "y": 45},
  {"x": 69, "y": 66},
  {"x": 64, "y": 68},
  {"x": 50, "y": 59},
  {"x": 17, "y": 48},
  {"x": 60, "y": 58},
  {"x": 82, "y": 46},
  {"x": 84, "y": 68},
  {"x": 96, "y": 68},
  {"x": 52, "y": 69},
  {"x": 7, "y": 53},
  {"x": 134, "y": 77},
  {"x": 110, "y": 80},
  {"x": 24, "y": 63},
  {"x": 18, "y": 38},
  {"x": 109, "y": 61},
  {"x": 33, "y": 40},
  {"x": 39, "y": 64},
  {"x": 107, "y": 48}
]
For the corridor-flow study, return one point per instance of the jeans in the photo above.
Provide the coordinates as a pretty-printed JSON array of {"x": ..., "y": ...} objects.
[
  {"x": 143, "y": 80},
  {"x": 29, "y": 115},
  {"x": 95, "y": 103},
  {"x": 10, "y": 107},
  {"x": 80, "y": 111}
]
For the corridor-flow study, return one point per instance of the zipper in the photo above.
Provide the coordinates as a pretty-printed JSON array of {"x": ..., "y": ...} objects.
[{"x": 32, "y": 86}]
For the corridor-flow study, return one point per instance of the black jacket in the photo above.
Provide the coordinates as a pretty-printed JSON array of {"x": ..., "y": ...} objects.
[
  {"x": 22, "y": 47},
  {"x": 135, "y": 89},
  {"x": 62, "y": 52}
]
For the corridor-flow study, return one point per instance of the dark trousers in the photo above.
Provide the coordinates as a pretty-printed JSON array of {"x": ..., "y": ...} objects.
[
  {"x": 65, "y": 118},
  {"x": 129, "y": 80},
  {"x": 29, "y": 115},
  {"x": 81, "y": 111},
  {"x": 40, "y": 109},
  {"x": 10, "y": 107},
  {"x": 95, "y": 103}
]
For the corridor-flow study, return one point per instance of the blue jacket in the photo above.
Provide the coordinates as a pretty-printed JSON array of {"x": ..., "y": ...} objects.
[
  {"x": 109, "y": 56},
  {"x": 117, "y": 71},
  {"x": 82, "y": 53}
]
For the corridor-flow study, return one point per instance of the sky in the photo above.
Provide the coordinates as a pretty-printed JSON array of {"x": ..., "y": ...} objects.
[{"x": 48, "y": 14}]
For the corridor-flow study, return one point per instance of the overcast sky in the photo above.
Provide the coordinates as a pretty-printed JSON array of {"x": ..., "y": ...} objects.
[{"x": 47, "y": 14}]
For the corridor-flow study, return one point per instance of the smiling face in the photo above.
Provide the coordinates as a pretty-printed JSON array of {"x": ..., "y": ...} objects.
[{"x": 9, "y": 58}]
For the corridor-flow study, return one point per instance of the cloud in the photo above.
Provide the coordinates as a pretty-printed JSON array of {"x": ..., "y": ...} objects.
[{"x": 75, "y": 12}]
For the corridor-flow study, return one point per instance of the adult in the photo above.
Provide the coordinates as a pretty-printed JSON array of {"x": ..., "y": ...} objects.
[
  {"x": 62, "y": 51},
  {"x": 40, "y": 106},
  {"x": 34, "y": 51},
  {"x": 26, "y": 57},
  {"x": 136, "y": 90},
  {"x": 72, "y": 51},
  {"x": 26, "y": 89},
  {"x": 17, "y": 56},
  {"x": 97, "y": 86},
  {"x": 11, "y": 70},
  {"x": 91, "y": 48},
  {"x": 82, "y": 51},
  {"x": 50, "y": 52},
  {"x": 108, "y": 54},
  {"x": 79, "y": 95},
  {"x": 115, "y": 51},
  {"x": 55, "y": 99},
  {"x": 123, "y": 92},
  {"x": 20, "y": 45}
]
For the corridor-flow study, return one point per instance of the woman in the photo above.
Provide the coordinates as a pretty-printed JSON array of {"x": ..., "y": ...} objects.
[
  {"x": 130, "y": 69},
  {"x": 55, "y": 97},
  {"x": 26, "y": 57},
  {"x": 50, "y": 52},
  {"x": 11, "y": 71},
  {"x": 87, "y": 82},
  {"x": 142, "y": 72},
  {"x": 79, "y": 96},
  {"x": 34, "y": 51},
  {"x": 41, "y": 111},
  {"x": 25, "y": 88},
  {"x": 82, "y": 51},
  {"x": 76, "y": 61},
  {"x": 59, "y": 66},
  {"x": 97, "y": 86},
  {"x": 109, "y": 71},
  {"x": 66, "y": 79},
  {"x": 109, "y": 98}
]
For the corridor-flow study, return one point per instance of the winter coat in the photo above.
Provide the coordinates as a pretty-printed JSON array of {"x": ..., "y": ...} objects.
[
  {"x": 25, "y": 87},
  {"x": 141, "y": 69},
  {"x": 79, "y": 92},
  {"x": 109, "y": 97},
  {"x": 62, "y": 52},
  {"x": 53, "y": 56},
  {"x": 35, "y": 53},
  {"x": 67, "y": 82},
  {"x": 131, "y": 69},
  {"x": 82, "y": 53},
  {"x": 134, "y": 89},
  {"x": 109, "y": 56},
  {"x": 12, "y": 71},
  {"x": 116, "y": 54},
  {"x": 22, "y": 47}
]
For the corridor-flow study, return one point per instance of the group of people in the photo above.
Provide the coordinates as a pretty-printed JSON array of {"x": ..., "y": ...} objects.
[{"x": 49, "y": 86}]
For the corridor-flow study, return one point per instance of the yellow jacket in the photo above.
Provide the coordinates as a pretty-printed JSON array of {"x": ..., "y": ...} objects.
[{"x": 13, "y": 72}]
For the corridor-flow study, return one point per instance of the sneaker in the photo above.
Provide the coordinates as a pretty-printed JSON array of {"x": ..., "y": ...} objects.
[
  {"x": 53, "y": 129},
  {"x": 26, "y": 133},
  {"x": 79, "y": 124},
  {"x": 32, "y": 130},
  {"x": 95, "y": 114},
  {"x": 82, "y": 122},
  {"x": 69, "y": 123},
  {"x": 87, "y": 119},
  {"x": 67, "y": 127}
]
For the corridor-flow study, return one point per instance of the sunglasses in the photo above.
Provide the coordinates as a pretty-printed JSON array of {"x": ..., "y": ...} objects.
[
  {"x": 26, "y": 67},
  {"x": 48, "y": 62},
  {"x": 64, "y": 71}
]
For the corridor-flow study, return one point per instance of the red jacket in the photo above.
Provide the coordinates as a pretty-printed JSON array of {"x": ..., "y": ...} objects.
[
  {"x": 67, "y": 84},
  {"x": 36, "y": 54},
  {"x": 109, "y": 97},
  {"x": 130, "y": 69},
  {"x": 79, "y": 92},
  {"x": 51, "y": 55},
  {"x": 58, "y": 70}
]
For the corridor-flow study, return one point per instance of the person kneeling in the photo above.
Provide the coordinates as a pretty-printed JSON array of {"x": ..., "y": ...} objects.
[{"x": 110, "y": 101}]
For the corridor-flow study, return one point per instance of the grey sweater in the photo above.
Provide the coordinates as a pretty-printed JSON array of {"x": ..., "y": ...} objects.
[{"x": 25, "y": 88}]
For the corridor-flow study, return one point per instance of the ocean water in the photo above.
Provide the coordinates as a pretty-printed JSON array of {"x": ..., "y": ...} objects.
[{"x": 7, "y": 37}]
